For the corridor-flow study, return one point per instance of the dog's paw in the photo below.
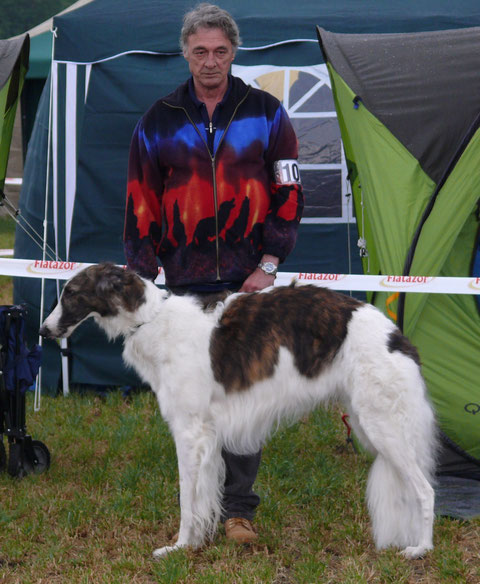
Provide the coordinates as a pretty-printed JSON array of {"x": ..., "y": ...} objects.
[
  {"x": 414, "y": 552},
  {"x": 163, "y": 551}
]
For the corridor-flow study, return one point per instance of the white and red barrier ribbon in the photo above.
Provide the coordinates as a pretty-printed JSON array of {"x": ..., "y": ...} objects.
[
  {"x": 58, "y": 270},
  {"x": 360, "y": 282}
]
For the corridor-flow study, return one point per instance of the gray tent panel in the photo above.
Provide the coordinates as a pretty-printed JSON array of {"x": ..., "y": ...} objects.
[{"x": 444, "y": 111}]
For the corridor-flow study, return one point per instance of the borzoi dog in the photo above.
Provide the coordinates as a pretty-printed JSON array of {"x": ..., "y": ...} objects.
[{"x": 228, "y": 375}]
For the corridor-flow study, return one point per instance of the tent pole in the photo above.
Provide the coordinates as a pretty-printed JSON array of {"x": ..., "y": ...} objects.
[{"x": 38, "y": 385}]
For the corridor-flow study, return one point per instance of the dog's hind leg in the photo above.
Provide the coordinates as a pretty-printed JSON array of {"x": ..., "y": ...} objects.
[
  {"x": 401, "y": 502},
  {"x": 391, "y": 415},
  {"x": 201, "y": 473},
  {"x": 426, "y": 497},
  {"x": 400, "y": 497}
]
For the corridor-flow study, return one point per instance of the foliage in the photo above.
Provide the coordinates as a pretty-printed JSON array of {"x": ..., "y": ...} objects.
[{"x": 18, "y": 16}]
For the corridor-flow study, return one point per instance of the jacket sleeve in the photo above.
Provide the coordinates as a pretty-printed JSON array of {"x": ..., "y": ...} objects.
[
  {"x": 286, "y": 205},
  {"x": 143, "y": 221}
]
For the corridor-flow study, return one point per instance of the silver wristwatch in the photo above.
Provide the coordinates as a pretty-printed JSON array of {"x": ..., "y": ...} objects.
[{"x": 268, "y": 268}]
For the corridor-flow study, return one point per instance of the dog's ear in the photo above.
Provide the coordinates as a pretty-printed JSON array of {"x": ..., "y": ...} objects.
[
  {"x": 134, "y": 288},
  {"x": 109, "y": 279},
  {"x": 123, "y": 284}
]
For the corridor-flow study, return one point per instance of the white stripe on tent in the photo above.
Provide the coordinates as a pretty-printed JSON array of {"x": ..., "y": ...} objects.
[
  {"x": 38, "y": 385},
  {"x": 55, "y": 148},
  {"x": 88, "y": 71},
  {"x": 54, "y": 131},
  {"x": 70, "y": 150},
  {"x": 118, "y": 55},
  {"x": 280, "y": 43},
  {"x": 69, "y": 142}
]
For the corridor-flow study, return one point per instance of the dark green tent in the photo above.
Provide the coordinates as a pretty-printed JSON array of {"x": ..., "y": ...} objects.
[
  {"x": 13, "y": 68},
  {"x": 409, "y": 112}
]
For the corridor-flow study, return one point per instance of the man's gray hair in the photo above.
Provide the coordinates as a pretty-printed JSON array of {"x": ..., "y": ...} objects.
[{"x": 209, "y": 16}]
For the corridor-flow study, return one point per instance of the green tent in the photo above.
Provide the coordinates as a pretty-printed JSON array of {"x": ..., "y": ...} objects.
[
  {"x": 409, "y": 113},
  {"x": 13, "y": 68}
]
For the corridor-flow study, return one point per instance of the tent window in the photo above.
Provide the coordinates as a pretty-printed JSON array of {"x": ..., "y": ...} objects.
[
  {"x": 319, "y": 140},
  {"x": 322, "y": 191},
  {"x": 306, "y": 95}
]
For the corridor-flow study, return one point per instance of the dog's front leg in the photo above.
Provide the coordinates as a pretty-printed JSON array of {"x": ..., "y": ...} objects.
[{"x": 201, "y": 472}]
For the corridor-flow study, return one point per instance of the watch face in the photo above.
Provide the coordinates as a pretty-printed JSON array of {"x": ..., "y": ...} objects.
[{"x": 269, "y": 267}]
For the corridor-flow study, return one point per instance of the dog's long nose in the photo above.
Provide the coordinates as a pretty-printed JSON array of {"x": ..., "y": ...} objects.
[{"x": 44, "y": 331}]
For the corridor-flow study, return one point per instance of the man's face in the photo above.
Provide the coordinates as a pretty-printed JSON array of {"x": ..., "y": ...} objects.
[{"x": 209, "y": 54}]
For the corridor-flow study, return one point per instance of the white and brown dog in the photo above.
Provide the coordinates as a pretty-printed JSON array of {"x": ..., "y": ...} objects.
[{"x": 226, "y": 377}]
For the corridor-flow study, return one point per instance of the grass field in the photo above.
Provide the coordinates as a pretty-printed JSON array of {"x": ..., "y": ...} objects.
[
  {"x": 7, "y": 238},
  {"x": 110, "y": 498}
]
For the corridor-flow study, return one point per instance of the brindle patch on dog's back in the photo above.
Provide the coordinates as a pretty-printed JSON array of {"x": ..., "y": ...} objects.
[{"x": 311, "y": 322}]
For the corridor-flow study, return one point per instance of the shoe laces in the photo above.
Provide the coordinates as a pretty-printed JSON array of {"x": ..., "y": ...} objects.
[{"x": 241, "y": 521}]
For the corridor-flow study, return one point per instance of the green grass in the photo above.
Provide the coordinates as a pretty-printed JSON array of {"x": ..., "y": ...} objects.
[
  {"x": 7, "y": 239},
  {"x": 110, "y": 498},
  {"x": 7, "y": 232}
]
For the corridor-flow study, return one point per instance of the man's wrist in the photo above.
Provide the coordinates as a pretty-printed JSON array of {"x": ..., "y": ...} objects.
[{"x": 269, "y": 266}]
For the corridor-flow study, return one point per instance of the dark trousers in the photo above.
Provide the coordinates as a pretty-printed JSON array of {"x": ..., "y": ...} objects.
[{"x": 239, "y": 499}]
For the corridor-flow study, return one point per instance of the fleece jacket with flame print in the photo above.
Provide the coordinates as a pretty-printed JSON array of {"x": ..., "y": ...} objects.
[{"x": 209, "y": 216}]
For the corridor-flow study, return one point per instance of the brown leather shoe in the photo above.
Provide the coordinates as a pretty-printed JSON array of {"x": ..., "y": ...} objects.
[{"x": 240, "y": 530}]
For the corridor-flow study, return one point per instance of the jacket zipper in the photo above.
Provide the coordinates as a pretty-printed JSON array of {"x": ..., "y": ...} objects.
[{"x": 213, "y": 161}]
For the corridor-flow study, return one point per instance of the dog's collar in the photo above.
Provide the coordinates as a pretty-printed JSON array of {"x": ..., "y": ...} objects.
[{"x": 135, "y": 328}]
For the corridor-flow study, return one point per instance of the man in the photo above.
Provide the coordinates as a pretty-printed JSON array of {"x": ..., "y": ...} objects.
[{"x": 214, "y": 195}]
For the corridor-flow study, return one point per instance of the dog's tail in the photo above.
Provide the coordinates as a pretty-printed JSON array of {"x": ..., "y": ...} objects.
[
  {"x": 395, "y": 513},
  {"x": 399, "y": 492}
]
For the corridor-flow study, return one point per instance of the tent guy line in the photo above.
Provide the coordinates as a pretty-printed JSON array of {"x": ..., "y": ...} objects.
[{"x": 63, "y": 270}]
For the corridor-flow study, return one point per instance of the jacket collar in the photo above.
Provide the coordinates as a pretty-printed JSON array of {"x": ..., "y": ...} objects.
[
  {"x": 197, "y": 102},
  {"x": 181, "y": 96}
]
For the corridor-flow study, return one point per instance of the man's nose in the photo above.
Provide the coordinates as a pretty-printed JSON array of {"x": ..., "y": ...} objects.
[{"x": 210, "y": 60}]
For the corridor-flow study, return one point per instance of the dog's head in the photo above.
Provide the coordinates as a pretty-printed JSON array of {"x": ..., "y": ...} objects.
[{"x": 101, "y": 291}]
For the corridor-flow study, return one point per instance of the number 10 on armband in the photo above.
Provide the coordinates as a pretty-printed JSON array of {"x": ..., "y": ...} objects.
[{"x": 286, "y": 172}]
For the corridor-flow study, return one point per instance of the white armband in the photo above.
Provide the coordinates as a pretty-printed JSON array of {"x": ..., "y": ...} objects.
[{"x": 286, "y": 172}]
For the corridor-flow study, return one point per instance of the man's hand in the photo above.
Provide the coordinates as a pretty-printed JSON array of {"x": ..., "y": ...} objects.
[{"x": 258, "y": 280}]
